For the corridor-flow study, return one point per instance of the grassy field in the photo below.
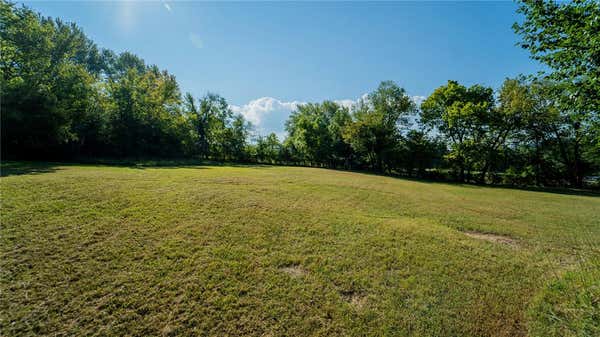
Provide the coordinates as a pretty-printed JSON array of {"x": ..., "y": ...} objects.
[{"x": 285, "y": 251}]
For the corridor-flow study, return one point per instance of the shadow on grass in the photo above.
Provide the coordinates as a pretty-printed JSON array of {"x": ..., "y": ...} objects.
[
  {"x": 554, "y": 190},
  {"x": 11, "y": 168},
  {"x": 167, "y": 164}
]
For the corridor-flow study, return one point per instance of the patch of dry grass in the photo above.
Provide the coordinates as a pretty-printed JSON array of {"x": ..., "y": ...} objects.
[{"x": 502, "y": 239}]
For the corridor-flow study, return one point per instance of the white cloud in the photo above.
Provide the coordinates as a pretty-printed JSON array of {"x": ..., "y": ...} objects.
[
  {"x": 167, "y": 6},
  {"x": 347, "y": 103},
  {"x": 269, "y": 114},
  {"x": 195, "y": 40},
  {"x": 418, "y": 100}
]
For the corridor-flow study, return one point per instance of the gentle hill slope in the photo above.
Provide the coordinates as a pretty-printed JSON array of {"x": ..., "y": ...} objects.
[{"x": 269, "y": 251}]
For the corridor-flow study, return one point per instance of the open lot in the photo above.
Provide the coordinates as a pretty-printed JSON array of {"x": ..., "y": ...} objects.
[{"x": 272, "y": 251}]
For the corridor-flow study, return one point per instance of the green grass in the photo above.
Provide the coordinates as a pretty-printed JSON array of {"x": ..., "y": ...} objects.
[
  {"x": 569, "y": 306},
  {"x": 287, "y": 251}
]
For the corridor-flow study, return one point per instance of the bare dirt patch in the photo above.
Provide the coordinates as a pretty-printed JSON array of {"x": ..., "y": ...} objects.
[
  {"x": 356, "y": 300},
  {"x": 496, "y": 238},
  {"x": 294, "y": 271},
  {"x": 227, "y": 181}
]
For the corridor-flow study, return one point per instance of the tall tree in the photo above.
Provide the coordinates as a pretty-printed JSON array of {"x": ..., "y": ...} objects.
[
  {"x": 339, "y": 120},
  {"x": 307, "y": 130},
  {"x": 268, "y": 149},
  {"x": 315, "y": 131},
  {"x": 420, "y": 152},
  {"x": 462, "y": 115},
  {"x": 497, "y": 124},
  {"x": 143, "y": 112},
  {"x": 220, "y": 134},
  {"x": 46, "y": 83},
  {"x": 375, "y": 131},
  {"x": 566, "y": 37}
]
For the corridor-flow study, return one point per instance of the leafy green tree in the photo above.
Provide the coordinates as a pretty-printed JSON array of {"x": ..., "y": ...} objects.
[
  {"x": 200, "y": 119},
  {"x": 566, "y": 37},
  {"x": 307, "y": 129},
  {"x": 461, "y": 115},
  {"x": 591, "y": 152},
  {"x": 47, "y": 83},
  {"x": 530, "y": 102},
  {"x": 375, "y": 132},
  {"x": 218, "y": 133},
  {"x": 143, "y": 112},
  {"x": 289, "y": 154},
  {"x": 339, "y": 119},
  {"x": 546, "y": 135},
  {"x": 420, "y": 152},
  {"x": 315, "y": 132},
  {"x": 117, "y": 66},
  {"x": 499, "y": 123},
  {"x": 192, "y": 126},
  {"x": 237, "y": 137},
  {"x": 565, "y": 129},
  {"x": 268, "y": 149}
]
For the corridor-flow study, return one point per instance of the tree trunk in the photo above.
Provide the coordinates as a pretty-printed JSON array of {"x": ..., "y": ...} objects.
[
  {"x": 483, "y": 174},
  {"x": 567, "y": 162},
  {"x": 538, "y": 162},
  {"x": 577, "y": 169}
]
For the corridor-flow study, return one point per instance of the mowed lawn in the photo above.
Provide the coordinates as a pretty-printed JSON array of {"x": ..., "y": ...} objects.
[{"x": 286, "y": 251}]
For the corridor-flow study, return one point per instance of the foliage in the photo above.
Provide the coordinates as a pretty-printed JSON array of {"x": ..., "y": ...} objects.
[
  {"x": 466, "y": 117},
  {"x": 47, "y": 82},
  {"x": 420, "y": 152},
  {"x": 63, "y": 97},
  {"x": 315, "y": 132},
  {"x": 375, "y": 132},
  {"x": 566, "y": 37},
  {"x": 268, "y": 149},
  {"x": 142, "y": 113}
]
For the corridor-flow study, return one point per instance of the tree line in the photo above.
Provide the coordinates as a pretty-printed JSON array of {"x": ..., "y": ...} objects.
[{"x": 63, "y": 97}]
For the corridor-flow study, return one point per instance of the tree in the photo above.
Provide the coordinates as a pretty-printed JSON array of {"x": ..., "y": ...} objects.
[
  {"x": 339, "y": 120},
  {"x": 236, "y": 138},
  {"x": 49, "y": 99},
  {"x": 268, "y": 149},
  {"x": 217, "y": 131},
  {"x": 461, "y": 114},
  {"x": 420, "y": 152},
  {"x": 566, "y": 37},
  {"x": 143, "y": 113},
  {"x": 375, "y": 131},
  {"x": 499, "y": 123},
  {"x": 307, "y": 130},
  {"x": 565, "y": 129},
  {"x": 315, "y": 132},
  {"x": 549, "y": 141}
]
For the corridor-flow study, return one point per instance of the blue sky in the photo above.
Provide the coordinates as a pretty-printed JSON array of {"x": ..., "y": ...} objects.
[{"x": 267, "y": 57}]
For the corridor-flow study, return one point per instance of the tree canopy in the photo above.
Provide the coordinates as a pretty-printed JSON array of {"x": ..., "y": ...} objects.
[{"x": 63, "y": 97}]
